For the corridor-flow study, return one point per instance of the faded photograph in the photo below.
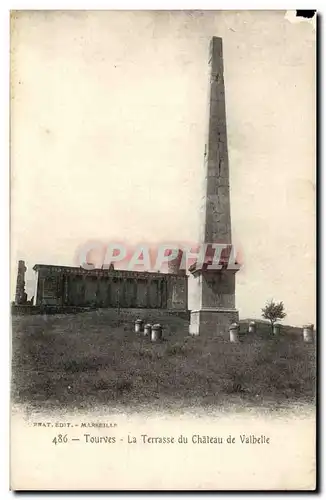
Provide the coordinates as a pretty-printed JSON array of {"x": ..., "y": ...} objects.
[{"x": 163, "y": 227}]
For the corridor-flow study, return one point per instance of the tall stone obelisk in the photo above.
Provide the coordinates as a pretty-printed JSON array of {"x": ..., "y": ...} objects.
[{"x": 215, "y": 289}]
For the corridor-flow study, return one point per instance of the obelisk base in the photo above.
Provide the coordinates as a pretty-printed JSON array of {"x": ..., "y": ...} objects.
[{"x": 212, "y": 322}]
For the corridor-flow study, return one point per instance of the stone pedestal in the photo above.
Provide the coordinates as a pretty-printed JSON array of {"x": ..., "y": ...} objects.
[
  {"x": 217, "y": 303},
  {"x": 156, "y": 333},
  {"x": 147, "y": 329},
  {"x": 214, "y": 322}
]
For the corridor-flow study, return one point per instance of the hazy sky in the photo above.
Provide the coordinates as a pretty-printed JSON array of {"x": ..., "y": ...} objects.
[{"x": 108, "y": 133}]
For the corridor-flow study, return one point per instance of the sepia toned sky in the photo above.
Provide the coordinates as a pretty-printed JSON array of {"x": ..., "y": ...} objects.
[{"x": 108, "y": 123}]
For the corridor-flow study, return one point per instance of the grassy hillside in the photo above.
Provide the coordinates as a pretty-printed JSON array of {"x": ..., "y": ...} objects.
[{"x": 91, "y": 359}]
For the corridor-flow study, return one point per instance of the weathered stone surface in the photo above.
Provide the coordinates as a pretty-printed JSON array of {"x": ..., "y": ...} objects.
[
  {"x": 177, "y": 292},
  {"x": 218, "y": 289},
  {"x": 212, "y": 322}
]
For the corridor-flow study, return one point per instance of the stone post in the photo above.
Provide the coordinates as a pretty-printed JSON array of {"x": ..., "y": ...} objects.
[
  {"x": 308, "y": 333},
  {"x": 234, "y": 332},
  {"x": 156, "y": 333},
  {"x": 252, "y": 327},
  {"x": 139, "y": 325},
  {"x": 147, "y": 329},
  {"x": 276, "y": 329}
]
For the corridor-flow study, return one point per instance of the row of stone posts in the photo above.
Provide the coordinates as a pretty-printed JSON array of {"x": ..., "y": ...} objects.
[
  {"x": 154, "y": 332},
  {"x": 234, "y": 331}
]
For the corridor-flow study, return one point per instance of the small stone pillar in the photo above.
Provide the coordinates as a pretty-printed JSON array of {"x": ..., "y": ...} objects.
[
  {"x": 252, "y": 327},
  {"x": 308, "y": 333},
  {"x": 147, "y": 329},
  {"x": 276, "y": 329},
  {"x": 234, "y": 332},
  {"x": 139, "y": 325},
  {"x": 156, "y": 333},
  {"x": 21, "y": 296}
]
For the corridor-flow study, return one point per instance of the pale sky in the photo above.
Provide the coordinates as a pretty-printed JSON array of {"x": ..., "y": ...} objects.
[{"x": 108, "y": 130}]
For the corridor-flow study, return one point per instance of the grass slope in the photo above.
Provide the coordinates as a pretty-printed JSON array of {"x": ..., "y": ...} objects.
[{"x": 88, "y": 359}]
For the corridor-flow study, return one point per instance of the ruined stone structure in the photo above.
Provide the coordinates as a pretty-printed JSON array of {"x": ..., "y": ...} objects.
[
  {"x": 20, "y": 295},
  {"x": 109, "y": 288},
  {"x": 215, "y": 289}
]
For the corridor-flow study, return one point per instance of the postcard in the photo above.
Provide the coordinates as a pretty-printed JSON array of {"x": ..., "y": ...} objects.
[{"x": 163, "y": 250}]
